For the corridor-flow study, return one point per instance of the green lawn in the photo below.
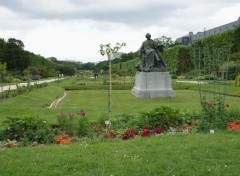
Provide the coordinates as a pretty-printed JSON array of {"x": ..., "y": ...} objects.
[
  {"x": 30, "y": 104},
  {"x": 194, "y": 154},
  {"x": 95, "y": 103}
]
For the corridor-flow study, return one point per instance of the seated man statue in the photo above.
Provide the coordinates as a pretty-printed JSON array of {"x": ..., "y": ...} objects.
[{"x": 151, "y": 59}]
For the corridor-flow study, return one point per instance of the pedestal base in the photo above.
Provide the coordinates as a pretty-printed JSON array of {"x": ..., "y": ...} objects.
[{"x": 153, "y": 85}]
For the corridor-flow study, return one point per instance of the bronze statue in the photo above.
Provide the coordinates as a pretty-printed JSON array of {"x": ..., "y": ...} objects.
[{"x": 150, "y": 57}]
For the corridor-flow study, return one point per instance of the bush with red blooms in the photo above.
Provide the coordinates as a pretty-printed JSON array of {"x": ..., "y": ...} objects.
[
  {"x": 158, "y": 130},
  {"x": 146, "y": 132},
  {"x": 110, "y": 135},
  {"x": 234, "y": 125},
  {"x": 129, "y": 134}
]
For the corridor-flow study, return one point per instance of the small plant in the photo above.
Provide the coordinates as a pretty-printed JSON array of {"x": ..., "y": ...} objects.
[
  {"x": 235, "y": 125},
  {"x": 73, "y": 125},
  {"x": 10, "y": 144},
  {"x": 64, "y": 139},
  {"x": 146, "y": 132},
  {"x": 110, "y": 135},
  {"x": 128, "y": 134},
  {"x": 158, "y": 130},
  {"x": 82, "y": 113},
  {"x": 27, "y": 130},
  {"x": 163, "y": 116},
  {"x": 172, "y": 131},
  {"x": 66, "y": 123},
  {"x": 214, "y": 115},
  {"x": 123, "y": 121},
  {"x": 83, "y": 124}
]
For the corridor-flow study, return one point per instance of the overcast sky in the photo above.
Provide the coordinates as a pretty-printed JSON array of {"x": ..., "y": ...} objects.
[{"x": 74, "y": 29}]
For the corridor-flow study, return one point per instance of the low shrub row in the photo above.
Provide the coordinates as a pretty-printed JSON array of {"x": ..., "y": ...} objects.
[
  {"x": 21, "y": 90},
  {"x": 74, "y": 126}
]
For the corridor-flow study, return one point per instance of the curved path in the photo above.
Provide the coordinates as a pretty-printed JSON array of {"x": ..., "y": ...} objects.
[
  {"x": 55, "y": 103},
  {"x": 12, "y": 87}
]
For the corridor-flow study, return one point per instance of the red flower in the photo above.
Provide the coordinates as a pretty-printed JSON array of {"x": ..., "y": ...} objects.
[
  {"x": 129, "y": 134},
  {"x": 158, "y": 130},
  {"x": 110, "y": 135},
  {"x": 146, "y": 132}
]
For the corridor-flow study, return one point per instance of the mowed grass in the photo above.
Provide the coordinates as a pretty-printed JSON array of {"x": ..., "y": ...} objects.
[
  {"x": 30, "y": 104},
  {"x": 95, "y": 103},
  {"x": 179, "y": 155},
  {"x": 193, "y": 154}
]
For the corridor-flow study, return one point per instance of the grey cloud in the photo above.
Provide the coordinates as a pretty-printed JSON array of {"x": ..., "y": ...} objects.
[
  {"x": 142, "y": 13},
  {"x": 96, "y": 11}
]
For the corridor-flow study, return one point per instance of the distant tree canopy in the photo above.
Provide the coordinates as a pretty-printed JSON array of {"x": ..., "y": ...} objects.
[
  {"x": 166, "y": 42},
  {"x": 18, "y": 60}
]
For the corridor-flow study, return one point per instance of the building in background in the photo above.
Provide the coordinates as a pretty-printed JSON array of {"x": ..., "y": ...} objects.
[{"x": 188, "y": 39}]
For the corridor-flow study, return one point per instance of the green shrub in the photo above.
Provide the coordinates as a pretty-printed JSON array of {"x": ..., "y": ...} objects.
[
  {"x": 200, "y": 78},
  {"x": 210, "y": 77},
  {"x": 163, "y": 116},
  {"x": 16, "y": 80},
  {"x": 123, "y": 121},
  {"x": 174, "y": 76},
  {"x": 189, "y": 76},
  {"x": 27, "y": 129},
  {"x": 233, "y": 113},
  {"x": 66, "y": 123},
  {"x": 83, "y": 127},
  {"x": 181, "y": 77},
  {"x": 213, "y": 114},
  {"x": 101, "y": 119}
]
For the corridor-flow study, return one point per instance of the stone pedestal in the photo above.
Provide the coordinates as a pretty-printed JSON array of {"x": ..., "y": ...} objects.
[{"x": 153, "y": 85}]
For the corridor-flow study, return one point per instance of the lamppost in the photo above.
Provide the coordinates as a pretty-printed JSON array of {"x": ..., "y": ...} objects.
[{"x": 109, "y": 51}]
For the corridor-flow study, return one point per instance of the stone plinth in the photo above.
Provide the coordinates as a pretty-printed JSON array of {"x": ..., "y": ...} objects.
[{"x": 153, "y": 85}]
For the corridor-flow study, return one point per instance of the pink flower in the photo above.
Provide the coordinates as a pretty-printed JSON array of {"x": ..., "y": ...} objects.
[
  {"x": 71, "y": 116},
  {"x": 158, "y": 130},
  {"x": 82, "y": 113}
]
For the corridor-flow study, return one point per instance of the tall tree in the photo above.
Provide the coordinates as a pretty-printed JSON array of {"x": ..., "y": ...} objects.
[
  {"x": 166, "y": 42},
  {"x": 3, "y": 68},
  {"x": 15, "y": 57},
  {"x": 2, "y": 46}
]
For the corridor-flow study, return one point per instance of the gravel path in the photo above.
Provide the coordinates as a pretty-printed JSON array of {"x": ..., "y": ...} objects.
[
  {"x": 12, "y": 87},
  {"x": 55, "y": 103}
]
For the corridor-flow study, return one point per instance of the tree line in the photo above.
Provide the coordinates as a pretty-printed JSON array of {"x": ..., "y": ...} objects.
[{"x": 19, "y": 61}]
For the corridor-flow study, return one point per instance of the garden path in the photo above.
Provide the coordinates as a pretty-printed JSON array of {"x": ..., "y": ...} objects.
[
  {"x": 56, "y": 102},
  {"x": 12, "y": 87}
]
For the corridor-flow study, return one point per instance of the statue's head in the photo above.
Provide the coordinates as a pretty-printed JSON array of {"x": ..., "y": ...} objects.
[{"x": 148, "y": 36}]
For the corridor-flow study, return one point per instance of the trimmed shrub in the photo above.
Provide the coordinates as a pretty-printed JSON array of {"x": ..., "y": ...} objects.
[{"x": 27, "y": 130}]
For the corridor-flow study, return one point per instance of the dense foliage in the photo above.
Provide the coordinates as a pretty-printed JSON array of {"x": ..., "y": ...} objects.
[
  {"x": 179, "y": 59},
  {"x": 21, "y": 62},
  {"x": 27, "y": 130}
]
